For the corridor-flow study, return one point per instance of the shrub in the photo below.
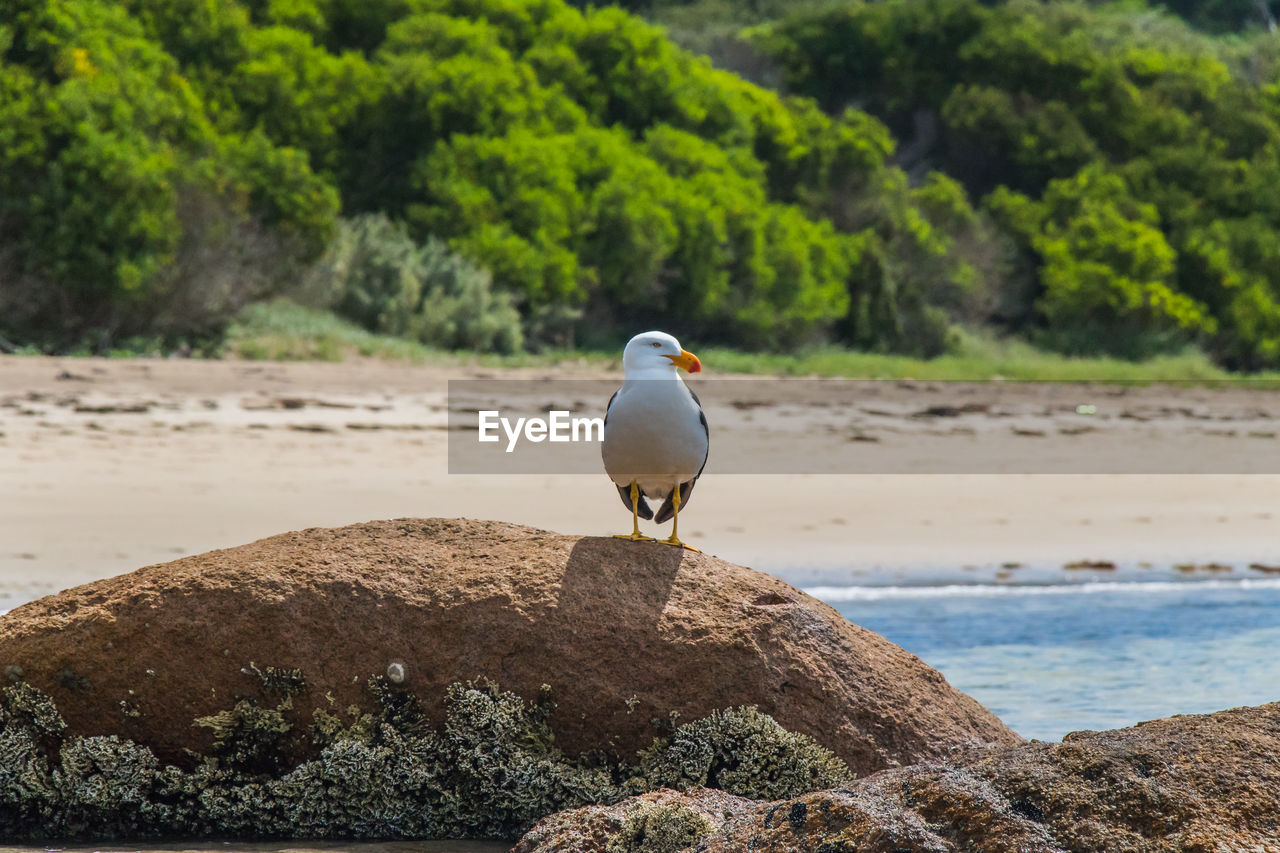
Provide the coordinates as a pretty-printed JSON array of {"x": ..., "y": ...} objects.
[
  {"x": 126, "y": 210},
  {"x": 164, "y": 161},
  {"x": 1106, "y": 269},
  {"x": 378, "y": 276},
  {"x": 1135, "y": 162}
]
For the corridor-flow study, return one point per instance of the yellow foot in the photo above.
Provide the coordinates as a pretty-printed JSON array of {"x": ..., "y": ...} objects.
[
  {"x": 672, "y": 540},
  {"x": 634, "y": 537}
]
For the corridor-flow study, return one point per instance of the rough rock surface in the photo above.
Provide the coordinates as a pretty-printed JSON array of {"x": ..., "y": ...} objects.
[
  {"x": 626, "y": 634},
  {"x": 1195, "y": 784}
]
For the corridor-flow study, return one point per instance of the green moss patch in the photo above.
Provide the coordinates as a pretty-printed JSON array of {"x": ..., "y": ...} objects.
[{"x": 491, "y": 770}]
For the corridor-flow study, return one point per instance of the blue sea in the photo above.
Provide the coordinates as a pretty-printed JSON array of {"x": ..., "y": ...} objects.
[{"x": 1057, "y": 653}]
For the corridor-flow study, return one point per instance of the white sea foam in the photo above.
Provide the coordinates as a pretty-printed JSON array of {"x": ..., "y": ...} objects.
[{"x": 991, "y": 590}]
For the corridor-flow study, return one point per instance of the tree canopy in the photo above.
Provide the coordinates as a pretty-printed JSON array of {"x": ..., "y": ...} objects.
[
  {"x": 521, "y": 172},
  {"x": 603, "y": 176},
  {"x": 1134, "y": 161}
]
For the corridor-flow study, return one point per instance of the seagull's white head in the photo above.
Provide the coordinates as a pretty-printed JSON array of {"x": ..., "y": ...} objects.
[{"x": 657, "y": 354}]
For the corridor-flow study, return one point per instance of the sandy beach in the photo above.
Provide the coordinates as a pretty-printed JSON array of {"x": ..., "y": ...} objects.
[{"x": 110, "y": 465}]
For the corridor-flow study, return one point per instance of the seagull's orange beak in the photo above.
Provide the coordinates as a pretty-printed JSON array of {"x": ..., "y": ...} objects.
[{"x": 686, "y": 360}]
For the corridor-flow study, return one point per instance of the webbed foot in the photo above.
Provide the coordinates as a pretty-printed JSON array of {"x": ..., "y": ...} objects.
[{"x": 672, "y": 540}]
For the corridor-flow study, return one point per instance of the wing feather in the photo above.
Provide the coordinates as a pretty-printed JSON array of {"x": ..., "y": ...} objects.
[{"x": 668, "y": 510}]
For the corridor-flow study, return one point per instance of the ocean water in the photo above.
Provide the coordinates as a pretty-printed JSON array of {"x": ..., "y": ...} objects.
[{"x": 1060, "y": 655}]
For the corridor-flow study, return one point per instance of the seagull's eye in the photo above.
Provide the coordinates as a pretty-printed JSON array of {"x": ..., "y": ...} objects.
[{"x": 656, "y": 344}]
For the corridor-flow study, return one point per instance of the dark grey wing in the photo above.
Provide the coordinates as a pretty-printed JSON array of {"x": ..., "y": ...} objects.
[
  {"x": 642, "y": 507},
  {"x": 667, "y": 510},
  {"x": 702, "y": 418}
]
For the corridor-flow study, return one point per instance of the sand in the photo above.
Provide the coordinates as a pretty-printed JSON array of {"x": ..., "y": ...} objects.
[{"x": 108, "y": 465}]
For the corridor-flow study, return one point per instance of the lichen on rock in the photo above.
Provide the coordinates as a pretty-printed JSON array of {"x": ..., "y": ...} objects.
[
  {"x": 491, "y": 770},
  {"x": 744, "y": 752},
  {"x": 101, "y": 781},
  {"x": 28, "y": 720},
  {"x": 26, "y": 707},
  {"x": 660, "y": 829}
]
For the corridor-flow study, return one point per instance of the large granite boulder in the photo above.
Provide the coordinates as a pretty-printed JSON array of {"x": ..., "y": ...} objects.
[
  {"x": 1192, "y": 784},
  {"x": 629, "y": 636}
]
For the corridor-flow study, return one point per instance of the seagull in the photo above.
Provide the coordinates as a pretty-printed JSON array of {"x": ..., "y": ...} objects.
[{"x": 655, "y": 434}]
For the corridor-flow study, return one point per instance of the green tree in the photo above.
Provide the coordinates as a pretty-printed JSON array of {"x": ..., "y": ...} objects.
[
  {"x": 111, "y": 147},
  {"x": 1107, "y": 271},
  {"x": 1166, "y": 135}
]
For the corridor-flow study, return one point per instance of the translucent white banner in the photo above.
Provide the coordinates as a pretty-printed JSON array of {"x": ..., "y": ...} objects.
[{"x": 820, "y": 426}]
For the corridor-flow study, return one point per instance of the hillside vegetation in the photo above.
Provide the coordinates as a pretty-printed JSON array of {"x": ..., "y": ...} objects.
[
  {"x": 497, "y": 175},
  {"x": 163, "y": 162},
  {"x": 1135, "y": 162}
]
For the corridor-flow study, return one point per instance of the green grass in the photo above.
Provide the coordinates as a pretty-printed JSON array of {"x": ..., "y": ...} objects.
[
  {"x": 284, "y": 331},
  {"x": 976, "y": 358}
]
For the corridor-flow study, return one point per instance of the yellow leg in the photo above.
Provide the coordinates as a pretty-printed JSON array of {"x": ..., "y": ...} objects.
[
  {"x": 635, "y": 533},
  {"x": 673, "y": 539}
]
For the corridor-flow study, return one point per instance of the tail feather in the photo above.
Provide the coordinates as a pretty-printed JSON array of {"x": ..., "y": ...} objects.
[
  {"x": 645, "y": 511},
  {"x": 668, "y": 509}
]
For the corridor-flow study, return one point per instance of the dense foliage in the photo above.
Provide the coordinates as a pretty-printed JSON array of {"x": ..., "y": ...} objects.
[
  {"x": 1135, "y": 162},
  {"x": 123, "y": 204},
  {"x": 491, "y": 174},
  {"x": 375, "y": 274},
  {"x": 165, "y": 161}
]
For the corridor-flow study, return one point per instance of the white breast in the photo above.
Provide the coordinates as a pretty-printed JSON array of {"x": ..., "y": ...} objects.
[{"x": 654, "y": 435}]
